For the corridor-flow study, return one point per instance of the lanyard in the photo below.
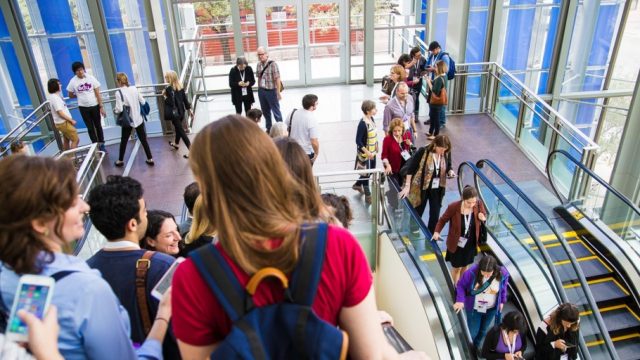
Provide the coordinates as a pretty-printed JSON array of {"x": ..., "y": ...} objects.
[
  {"x": 437, "y": 164},
  {"x": 467, "y": 223},
  {"x": 404, "y": 108},
  {"x": 122, "y": 244},
  {"x": 242, "y": 75},
  {"x": 511, "y": 343}
]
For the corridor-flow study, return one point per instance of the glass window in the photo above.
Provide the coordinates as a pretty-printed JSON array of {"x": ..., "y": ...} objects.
[
  {"x": 528, "y": 33},
  {"x": 356, "y": 39},
  {"x": 442, "y": 19},
  {"x": 627, "y": 66}
]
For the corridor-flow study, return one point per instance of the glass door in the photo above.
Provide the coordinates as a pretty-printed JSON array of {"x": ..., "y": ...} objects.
[
  {"x": 325, "y": 33},
  {"x": 280, "y": 32},
  {"x": 306, "y": 37}
]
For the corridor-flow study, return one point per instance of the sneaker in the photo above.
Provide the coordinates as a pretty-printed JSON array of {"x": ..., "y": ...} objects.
[
  {"x": 430, "y": 137},
  {"x": 186, "y": 156},
  {"x": 427, "y": 122},
  {"x": 119, "y": 163},
  {"x": 174, "y": 146},
  {"x": 358, "y": 188},
  {"x": 442, "y": 126},
  {"x": 150, "y": 162},
  {"x": 102, "y": 148}
]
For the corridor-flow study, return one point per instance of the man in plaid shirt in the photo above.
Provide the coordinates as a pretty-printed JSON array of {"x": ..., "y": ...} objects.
[{"x": 268, "y": 87}]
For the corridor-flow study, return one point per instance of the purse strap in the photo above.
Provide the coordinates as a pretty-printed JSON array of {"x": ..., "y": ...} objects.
[{"x": 142, "y": 267}]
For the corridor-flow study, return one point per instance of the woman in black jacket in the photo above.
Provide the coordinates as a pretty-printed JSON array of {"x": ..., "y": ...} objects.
[
  {"x": 508, "y": 340},
  {"x": 176, "y": 104},
  {"x": 241, "y": 79},
  {"x": 557, "y": 335}
]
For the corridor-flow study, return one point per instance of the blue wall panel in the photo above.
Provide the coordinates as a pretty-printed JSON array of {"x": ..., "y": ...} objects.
[
  {"x": 118, "y": 40},
  {"x": 518, "y": 36},
  {"x": 13, "y": 66}
]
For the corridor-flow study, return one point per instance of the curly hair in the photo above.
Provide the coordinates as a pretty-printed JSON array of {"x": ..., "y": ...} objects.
[
  {"x": 33, "y": 188},
  {"x": 113, "y": 204},
  {"x": 397, "y": 122}
]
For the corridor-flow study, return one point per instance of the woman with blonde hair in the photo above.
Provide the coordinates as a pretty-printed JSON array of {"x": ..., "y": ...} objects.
[
  {"x": 396, "y": 149},
  {"x": 397, "y": 75},
  {"x": 437, "y": 88},
  {"x": 176, "y": 104},
  {"x": 256, "y": 211},
  {"x": 128, "y": 99},
  {"x": 201, "y": 231}
]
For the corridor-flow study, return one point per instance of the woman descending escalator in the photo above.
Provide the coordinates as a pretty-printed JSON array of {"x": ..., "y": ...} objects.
[
  {"x": 482, "y": 293},
  {"x": 557, "y": 335},
  {"x": 508, "y": 340},
  {"x": 466, "y": 218}
]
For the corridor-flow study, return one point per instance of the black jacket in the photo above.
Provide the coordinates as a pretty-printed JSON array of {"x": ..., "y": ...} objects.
[
  {"x": 544, "y": 338},
  {"x": 236, "y": 90},
  {"x": 177, "y": 99}
]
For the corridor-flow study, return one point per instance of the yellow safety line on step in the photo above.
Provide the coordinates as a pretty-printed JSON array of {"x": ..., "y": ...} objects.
[
  {"x": 611, "y": 308},
  {"x": 618, "y": 338},
  {"x": 598, "y": 281}
]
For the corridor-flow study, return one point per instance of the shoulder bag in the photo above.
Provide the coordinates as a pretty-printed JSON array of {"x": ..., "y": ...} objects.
[
  {"x": 124, "y": 117},
  {"x": 142, "y": 267},
  {"x": 441, "y": 99},
  {"x": 265, "y": 69},
  {"x": 290, "y": 122}
]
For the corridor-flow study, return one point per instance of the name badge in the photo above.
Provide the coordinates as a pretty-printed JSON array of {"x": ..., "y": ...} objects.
[
  {"x": 435, "y": 183},
  {"x": 462, "y": 241},
  {"x": 415, "y": 79},
  {"x": 480, "y": 306},
  {"x": 405, "y": 155},
  {"x": 263, "y": 83},
  {"x": 244, "y": 91},
  {"x": 564, "y": 357}
]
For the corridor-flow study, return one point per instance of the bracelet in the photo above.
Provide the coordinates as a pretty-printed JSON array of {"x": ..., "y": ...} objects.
[{"x": 163, "y": 319}]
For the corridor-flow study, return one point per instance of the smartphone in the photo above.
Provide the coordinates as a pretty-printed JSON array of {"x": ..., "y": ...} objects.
[
  {"x": 165, "y": 282},
  {"x": 569, "y": 345},
  {"x": 33, "y": 295}
]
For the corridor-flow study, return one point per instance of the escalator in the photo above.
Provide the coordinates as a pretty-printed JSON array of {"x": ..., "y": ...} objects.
[{"x": 578, "y": 260}]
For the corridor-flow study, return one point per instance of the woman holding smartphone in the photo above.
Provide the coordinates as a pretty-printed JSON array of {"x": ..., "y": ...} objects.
[
  {"x": 42, "y": 216},
  {"x": 557, "y": 335}
]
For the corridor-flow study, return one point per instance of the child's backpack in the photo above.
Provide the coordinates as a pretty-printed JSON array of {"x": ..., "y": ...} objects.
[{"x": 285, "y": 330}]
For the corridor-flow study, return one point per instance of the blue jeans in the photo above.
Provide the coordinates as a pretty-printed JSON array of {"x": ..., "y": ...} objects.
[
  {"x": 479, "y": 324},
  {"x": 436, "y": 114},
  {"x": 268, "y": 103}
]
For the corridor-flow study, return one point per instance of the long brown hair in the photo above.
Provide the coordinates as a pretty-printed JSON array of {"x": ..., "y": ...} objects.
[
  {"x": 300, "y": 167},
  {"x": 248, "y": 193},
  {"x": 567, "y": 312},
  {"x": 33, "y": 188},
  {"x": 440, "y": 141}
]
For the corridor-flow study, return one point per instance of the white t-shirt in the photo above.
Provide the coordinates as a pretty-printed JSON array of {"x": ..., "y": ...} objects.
[
  {"x": 304, "y": 128},
  {"x": 83, "y": 88},
  {"x": 56, "y": 103}
]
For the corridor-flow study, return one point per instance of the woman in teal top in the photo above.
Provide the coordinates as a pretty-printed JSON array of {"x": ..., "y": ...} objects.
[
  {"x": 41, "y": 215},
  {"x": 436, "y": 111}
]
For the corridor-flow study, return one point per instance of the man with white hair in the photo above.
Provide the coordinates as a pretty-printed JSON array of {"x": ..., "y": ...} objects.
[
  {"x": 401, "y": 106},
  {"x": 269, "y": 86}
]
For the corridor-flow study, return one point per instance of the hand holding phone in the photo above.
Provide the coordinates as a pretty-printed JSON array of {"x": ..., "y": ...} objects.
[
  {"x": 34, "y": 296},
  {"x": 165, "y": 282}
]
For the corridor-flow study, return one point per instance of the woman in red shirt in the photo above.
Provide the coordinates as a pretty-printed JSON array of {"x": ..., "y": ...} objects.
[
  {"x": 253, "y": 202},
  {"x": 396, "y": 148}
]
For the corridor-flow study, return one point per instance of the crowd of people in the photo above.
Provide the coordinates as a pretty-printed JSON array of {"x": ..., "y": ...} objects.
[{"x": 265, "y": 214}]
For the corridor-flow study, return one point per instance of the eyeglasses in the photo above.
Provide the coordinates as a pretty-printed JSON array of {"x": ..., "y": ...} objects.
[{"x": 260, "y": 54}]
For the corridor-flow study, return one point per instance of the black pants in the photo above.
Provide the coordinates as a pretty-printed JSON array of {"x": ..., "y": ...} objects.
[
  {"x": 364, "y": 179},
  {"x": 247, "y": 106},
  {"x": 434, "y": 198},
  {"x": 142, "y": 136},
  {"x": 180, "y": 134},
  {"x": 416, "y": 100},
  {"x": 91, "y": 117}
]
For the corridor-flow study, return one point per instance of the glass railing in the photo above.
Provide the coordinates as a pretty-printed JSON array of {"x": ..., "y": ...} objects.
[
  {"x": 428, "y": 258},
  {"x": 577, "y": 185},
  {"x": 573, "y": 279}
]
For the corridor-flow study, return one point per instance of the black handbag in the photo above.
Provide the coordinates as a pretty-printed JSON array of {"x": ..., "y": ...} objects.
[
  {"x": 124, "y": 117},
  {"x": 171, "y": 112}
]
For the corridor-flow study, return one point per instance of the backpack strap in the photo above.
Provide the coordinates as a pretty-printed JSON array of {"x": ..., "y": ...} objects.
[
  {"x": 142, "y": 267},
  {"x": 62, "y": 274},
  {"x": 306, "y": 275},
  {"x": 265, "y": 68},
  {"x": 221, "y": 280}
]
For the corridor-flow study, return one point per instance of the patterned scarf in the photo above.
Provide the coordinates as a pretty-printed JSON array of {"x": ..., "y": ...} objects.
[{"x": 415, "y": 190}]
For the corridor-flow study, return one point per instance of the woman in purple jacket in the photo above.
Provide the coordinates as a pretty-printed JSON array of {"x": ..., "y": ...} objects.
[{"x": 482, "y": 292}]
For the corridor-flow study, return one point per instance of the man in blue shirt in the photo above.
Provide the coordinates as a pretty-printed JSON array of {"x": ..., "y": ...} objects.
[
  {"x": 118, "y": 211},
  {"x": 435, "y": 54}
]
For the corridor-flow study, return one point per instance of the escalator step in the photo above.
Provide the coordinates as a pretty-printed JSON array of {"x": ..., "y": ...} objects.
[
  {"x": 619, "y": 318},
  {"x": 557, "y": 252},
  {"x": 603, "y": 290},
  {"x": 628, "y": 347},
  {"x": 591, "y": 267}
]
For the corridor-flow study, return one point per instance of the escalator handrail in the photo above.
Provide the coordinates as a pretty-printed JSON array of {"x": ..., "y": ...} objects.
[
  {"x": 561, "y": 296},
  {"x": 565, "y": 246},
  {"x": 591, "y": 174},
  {"x": 441, "y": 263}
]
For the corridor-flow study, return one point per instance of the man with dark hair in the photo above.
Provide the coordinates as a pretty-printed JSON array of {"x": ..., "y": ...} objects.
[
  {"x": 119, "y": 213},
  {"x": 255, "y": 115},
  {"x": 86, "y": 89},
  {"x": 435, "y": 54},
  {"x": 303, "y": 126},
  {"x": 191, "y": 193},
  {"x": 61, "y": 116}
]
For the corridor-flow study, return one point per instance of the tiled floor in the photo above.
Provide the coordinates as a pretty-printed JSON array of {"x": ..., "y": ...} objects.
[{"x": 473, "y": 137}]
